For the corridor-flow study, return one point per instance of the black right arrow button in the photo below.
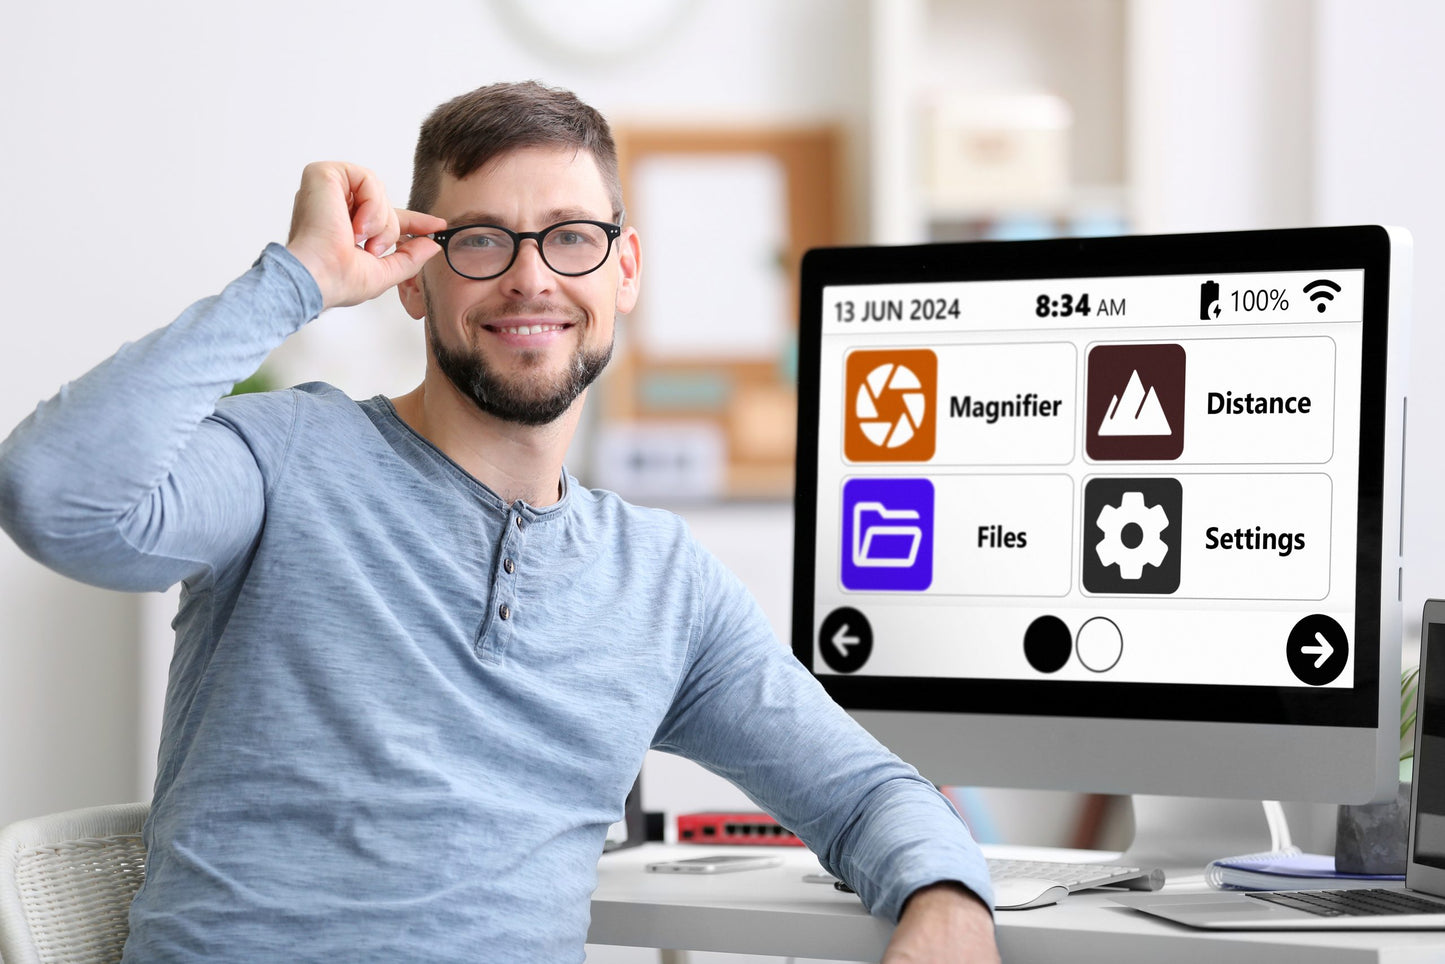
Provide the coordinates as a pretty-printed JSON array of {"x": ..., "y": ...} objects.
[{"x": 1318, "y": 650}]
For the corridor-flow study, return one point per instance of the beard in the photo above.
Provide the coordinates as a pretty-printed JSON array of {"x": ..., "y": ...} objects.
[{"x": 529, "y": 399}]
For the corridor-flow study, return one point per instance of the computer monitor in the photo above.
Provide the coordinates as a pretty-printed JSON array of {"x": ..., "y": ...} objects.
[{"x": 1114, "y": 515}]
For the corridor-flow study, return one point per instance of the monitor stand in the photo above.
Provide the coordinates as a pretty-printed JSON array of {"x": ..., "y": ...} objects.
[{"x": 1183, "y": 834}]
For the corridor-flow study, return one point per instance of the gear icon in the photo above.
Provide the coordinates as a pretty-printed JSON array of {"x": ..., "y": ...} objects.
[{"x": 1147, "y": 548}]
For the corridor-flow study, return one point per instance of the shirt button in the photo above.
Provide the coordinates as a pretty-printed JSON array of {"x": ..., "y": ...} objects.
[
  {"x": 504, "y": 611},
  {"x": 509, "y": 565}
]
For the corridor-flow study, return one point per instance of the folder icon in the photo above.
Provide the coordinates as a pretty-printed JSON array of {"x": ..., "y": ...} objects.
[{"x": 877, "y": 536}]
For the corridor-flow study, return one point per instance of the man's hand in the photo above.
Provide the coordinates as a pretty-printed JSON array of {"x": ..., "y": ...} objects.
[
  {"x": 342, "y": 227},
  {"x": 943, "y": 922}
]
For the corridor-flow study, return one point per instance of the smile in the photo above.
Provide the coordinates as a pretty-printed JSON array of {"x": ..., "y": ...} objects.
[{"x": 526, "y": 329}]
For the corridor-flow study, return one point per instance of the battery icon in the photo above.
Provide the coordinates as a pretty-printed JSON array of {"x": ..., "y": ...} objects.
[{"x": 1209, "y": 301}]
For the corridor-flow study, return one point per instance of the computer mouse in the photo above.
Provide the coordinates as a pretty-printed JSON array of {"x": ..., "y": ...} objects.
[{"x": 1018, "y": 893}]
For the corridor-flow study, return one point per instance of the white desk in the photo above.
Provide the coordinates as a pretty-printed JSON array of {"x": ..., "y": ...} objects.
[{"x": 774, "y": 912}]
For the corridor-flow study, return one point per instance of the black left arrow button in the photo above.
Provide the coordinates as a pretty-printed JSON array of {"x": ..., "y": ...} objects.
[{"x": 845, "y": 640}]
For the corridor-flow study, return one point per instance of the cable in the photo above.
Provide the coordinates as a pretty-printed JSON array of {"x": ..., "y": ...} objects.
[{"x": 1279, "y": 838}]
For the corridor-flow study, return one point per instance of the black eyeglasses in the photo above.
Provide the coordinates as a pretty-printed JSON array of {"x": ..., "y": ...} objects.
[{"x": 485, "y": 251}]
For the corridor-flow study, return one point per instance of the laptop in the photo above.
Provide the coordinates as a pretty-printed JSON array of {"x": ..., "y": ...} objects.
[{"x": 1417, "y": 905}]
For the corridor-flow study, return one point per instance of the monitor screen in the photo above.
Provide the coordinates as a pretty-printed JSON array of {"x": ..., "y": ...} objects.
[{"x": 1115, "y": 514}]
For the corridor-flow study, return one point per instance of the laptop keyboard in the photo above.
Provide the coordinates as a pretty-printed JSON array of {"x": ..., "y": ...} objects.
[{"x": 1353, "y": 903}]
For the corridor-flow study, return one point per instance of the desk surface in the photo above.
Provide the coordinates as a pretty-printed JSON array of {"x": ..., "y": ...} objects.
[{"x": 774, "y": 912}]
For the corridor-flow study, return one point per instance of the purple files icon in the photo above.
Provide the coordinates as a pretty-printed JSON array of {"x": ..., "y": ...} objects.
[{"x": 887, "y": 534}]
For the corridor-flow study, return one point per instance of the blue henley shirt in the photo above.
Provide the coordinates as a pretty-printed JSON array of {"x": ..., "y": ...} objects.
[{"x": 401, "y": 712}]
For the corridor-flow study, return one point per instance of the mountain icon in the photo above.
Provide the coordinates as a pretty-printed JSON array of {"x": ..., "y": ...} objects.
[
  {"x": 1138, "y": 412},
  {"x": 1135, "y": 402}
]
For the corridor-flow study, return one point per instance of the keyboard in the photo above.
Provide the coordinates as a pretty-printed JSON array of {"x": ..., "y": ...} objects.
[
  {"x": 1370, "y": 902},
  {"x": 1077, "y": 876}
]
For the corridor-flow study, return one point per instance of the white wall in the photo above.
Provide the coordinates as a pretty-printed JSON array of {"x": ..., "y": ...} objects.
[{"x": 1220, "y": 114}]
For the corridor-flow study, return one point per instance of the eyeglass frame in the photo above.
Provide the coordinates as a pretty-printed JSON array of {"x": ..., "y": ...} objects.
[{"x": 443, "y": 238}]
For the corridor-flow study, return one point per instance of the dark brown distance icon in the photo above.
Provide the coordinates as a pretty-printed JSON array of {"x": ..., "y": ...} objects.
[{"x": 1135, "y": 403}]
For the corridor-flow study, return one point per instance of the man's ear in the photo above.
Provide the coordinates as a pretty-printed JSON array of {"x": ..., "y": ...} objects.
[
  {"x": 412, "y": 299},
  {"x": 629, "y": 269}
]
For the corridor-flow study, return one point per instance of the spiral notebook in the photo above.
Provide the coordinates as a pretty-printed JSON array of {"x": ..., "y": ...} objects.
[{"x": 1279, "y": 870}]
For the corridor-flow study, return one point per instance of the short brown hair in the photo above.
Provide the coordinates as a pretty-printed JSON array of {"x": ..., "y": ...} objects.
[{"x": 466, "y": 132}]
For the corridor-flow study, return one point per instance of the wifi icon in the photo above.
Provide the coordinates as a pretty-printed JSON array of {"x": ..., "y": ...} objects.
[{"x": 1319, "y": 292}]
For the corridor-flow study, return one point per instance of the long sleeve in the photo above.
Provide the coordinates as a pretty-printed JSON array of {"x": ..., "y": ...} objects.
[
  {"x": 748, "y": 711},
  {"x": 125, "y": 479}
]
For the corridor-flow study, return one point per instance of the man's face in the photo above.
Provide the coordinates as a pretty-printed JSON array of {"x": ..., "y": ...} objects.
[{"x": 523, "y": 346}]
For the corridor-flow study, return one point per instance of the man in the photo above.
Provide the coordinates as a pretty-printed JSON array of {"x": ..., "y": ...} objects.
[{"x": 417, "y": 665}]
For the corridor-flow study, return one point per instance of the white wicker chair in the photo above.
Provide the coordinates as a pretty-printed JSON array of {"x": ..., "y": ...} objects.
[{"x": 66, "y": 882}]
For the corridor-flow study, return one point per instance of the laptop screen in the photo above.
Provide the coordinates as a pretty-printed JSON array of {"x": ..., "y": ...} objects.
[{"x": 1430, "y": 751}]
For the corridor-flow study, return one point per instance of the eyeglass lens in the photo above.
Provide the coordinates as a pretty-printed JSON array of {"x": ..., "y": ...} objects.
[{"x": 568, "y": 248}]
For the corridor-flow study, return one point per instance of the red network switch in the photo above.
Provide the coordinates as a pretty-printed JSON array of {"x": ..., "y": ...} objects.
[{"x": 754, "y": 829}]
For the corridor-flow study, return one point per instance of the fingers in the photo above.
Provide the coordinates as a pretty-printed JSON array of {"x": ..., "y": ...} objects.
[
  {"x": 373, "y": 220},
  {"x": 376, "y": 224},
  {"x": 380, "y": 242},
  {"x": 409, "y": 256},
  {"x": 407, "y": 260},
  {"x": 415, "y": 222},
  {"x": 344, "y": 230}
]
